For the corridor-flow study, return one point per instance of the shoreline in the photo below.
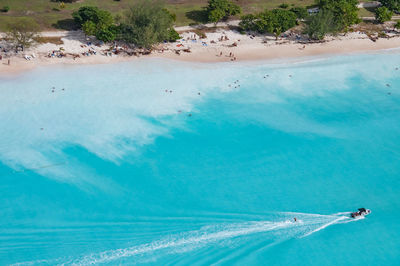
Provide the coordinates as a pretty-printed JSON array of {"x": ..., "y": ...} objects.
[{"x": 207, "y": 50}]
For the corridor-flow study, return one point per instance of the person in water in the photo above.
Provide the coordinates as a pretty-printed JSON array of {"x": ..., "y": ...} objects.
[{"x": 295, "y": 219}]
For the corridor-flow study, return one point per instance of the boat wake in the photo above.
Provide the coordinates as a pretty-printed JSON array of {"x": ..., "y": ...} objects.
[{"x": 223, "y": 235}]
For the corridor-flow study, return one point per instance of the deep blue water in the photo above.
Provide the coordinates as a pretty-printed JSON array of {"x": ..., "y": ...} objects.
[{"x": 161, "y": 162}]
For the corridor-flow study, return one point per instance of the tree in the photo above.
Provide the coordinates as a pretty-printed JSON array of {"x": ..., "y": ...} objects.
[
  {"x": 383, "y": 14},
  {"x": 344, "y": 11},
  {"x": 95, "y": 21},
  {"x": 22, "y": 32},
  {"x": 89, "y": 28},
  {"x": 301, "y": 12},
  {"x": 275, "y": 21},
  {"x": 393, "y": 5},
  {"x": 221, "y": 9},
  {"x": 147, "y": 23},
  {"x": 248, "y": 23},
  {"x": 320, "y": 24},
  {"x": 281, "y": 21}
]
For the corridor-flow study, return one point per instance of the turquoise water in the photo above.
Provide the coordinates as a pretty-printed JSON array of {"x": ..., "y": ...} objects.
[{"x": 160, "y": 162}]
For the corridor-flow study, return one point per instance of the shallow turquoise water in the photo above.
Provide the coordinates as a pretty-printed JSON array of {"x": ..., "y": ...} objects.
[{"x": 159, "y": 162}]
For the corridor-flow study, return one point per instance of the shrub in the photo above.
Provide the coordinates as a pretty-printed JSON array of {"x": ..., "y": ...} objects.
[
  {"x": 301, "y": 12},
  {"x": 173, "y": 35},
  {"x": 320, "y": 24},
  {"x": 393, "y": 5},
  {"x": 5, "y": 9},
  {"x": 147, "y": 23},
  {"x": 345, "y": 12},
  {"x": 221, "y": 9},
  {"x": 275, "y": 21},
  {"x": 97, "y": 22},
  {"x": 383, "y": 14},
  {"x": 284, "y": 5},
  {"x": 397, "y": 25}
]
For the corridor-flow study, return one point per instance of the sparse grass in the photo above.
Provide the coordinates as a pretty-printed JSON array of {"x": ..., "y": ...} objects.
[
  {"x": 50, "y": 16},
  {"x": 366, "y": 12},
  {"x": 55, "y": 40}
]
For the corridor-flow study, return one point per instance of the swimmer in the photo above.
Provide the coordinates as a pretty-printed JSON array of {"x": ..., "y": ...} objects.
[
  {"x": 295, "y": 219},
  {"x": 388, "y": 85}
]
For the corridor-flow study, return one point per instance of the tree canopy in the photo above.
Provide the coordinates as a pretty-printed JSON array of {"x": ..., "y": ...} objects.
[
  {"x": 147, "y": 23},
  {"x": 273, "y": 21},
  {"x": 344, "y": 11},
  {"x": 393, "y": 5},
  {"x": 221, "y": 9},
  {"x": 383, "y": 14},
  {"x": 320, "y": 24},
  {"x": 95, "y": 21},
  {"x": 22, "y": 32},
  {"x": 301, "y": 12}
]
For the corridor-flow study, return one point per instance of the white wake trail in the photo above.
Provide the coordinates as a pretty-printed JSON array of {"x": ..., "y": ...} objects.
[
  {"x": 306, "y": 225},
  {"x": 279, "y": 228}
]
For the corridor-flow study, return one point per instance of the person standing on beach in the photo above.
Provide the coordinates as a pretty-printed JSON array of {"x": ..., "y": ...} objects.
[{"x": 8, "y": 62}]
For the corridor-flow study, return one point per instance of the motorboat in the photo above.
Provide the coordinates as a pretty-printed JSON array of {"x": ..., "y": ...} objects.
[{"x": 360, "y": 213}]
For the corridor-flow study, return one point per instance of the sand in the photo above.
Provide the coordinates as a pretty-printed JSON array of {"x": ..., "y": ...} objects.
[{"x": 205, "y": 50}]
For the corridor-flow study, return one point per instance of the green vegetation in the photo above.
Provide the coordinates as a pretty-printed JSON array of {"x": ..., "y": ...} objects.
[
  {"x": 22, "y": 32},
  {"x": 383, "y": 14},
  {"x": 275, "y": 21},
  {"x": 147, "y": 23},
  {"x": 321, "y": 24},
  {"x": 334, "y": 16},
  {"x": 397, "y": 25},
  {"x": 50, "y": 16},
  {"x": 393, "y": 5},
  {"x": 97, "y": 22},
  {"x": 344, "y": 11},
  {"x": 5, "y": 9},
  {"x": 301, "y": 12},
  {"x": 221, "y": 9},
  {"x": 284, "y": 5}
]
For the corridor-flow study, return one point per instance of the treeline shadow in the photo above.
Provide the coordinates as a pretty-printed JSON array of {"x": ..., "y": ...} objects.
[
  {"x": 66, "y": 24},
  {"x": 199, "y": 16}
]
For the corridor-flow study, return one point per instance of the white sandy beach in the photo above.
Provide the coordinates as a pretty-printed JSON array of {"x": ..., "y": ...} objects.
[{"x": 209, "y": 49}]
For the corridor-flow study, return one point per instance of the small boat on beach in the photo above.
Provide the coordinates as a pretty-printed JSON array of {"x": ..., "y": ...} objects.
[{"x": 360, "y": 213}]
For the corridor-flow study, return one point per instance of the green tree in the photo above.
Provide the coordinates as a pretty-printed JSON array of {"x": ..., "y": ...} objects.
[
  {"x": 248, "y": 23},
  {"x": 97, "y": 22},
  {"x": 22, "y": 32},
  {"x": 221, "y": 9},
  {"x": 345, "y": 12},
  {"x": 89, "y": 28},
  {"x": 320, "y": 24},
  {"x": 393, "y": 5},
  {"x": 383, "y": 14},
  {"x": 275, "y": 21},
  {"x": 301, "y": 12},
  {"x": 147, "y": 23},
  {"x": 281, "y": 20}
]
